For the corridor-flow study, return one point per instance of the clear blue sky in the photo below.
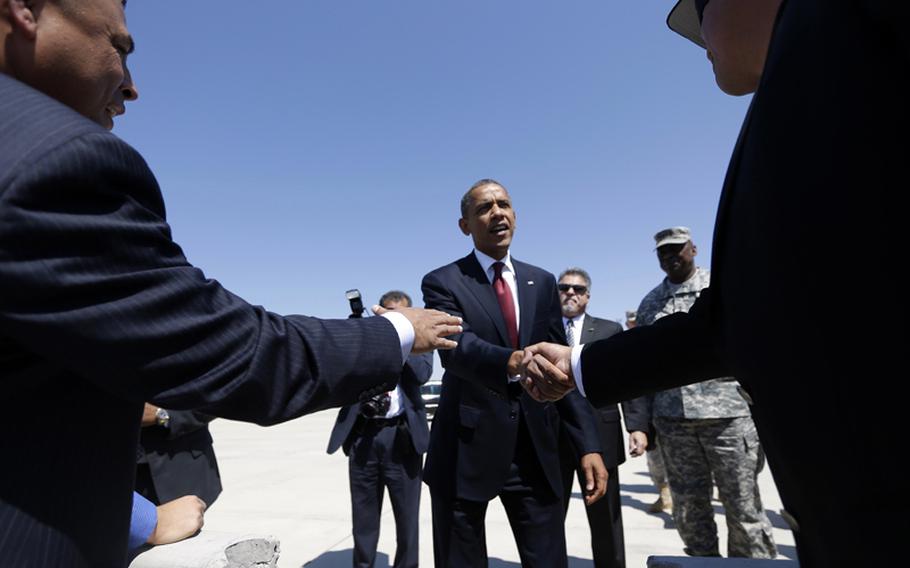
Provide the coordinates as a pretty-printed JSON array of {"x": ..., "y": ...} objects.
[{"x": 305, "y": 147}]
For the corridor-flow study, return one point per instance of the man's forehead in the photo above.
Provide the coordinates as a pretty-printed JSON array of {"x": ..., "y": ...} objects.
[
  {"x": 489, "y": 192},
  {"x": 569, "y": 277}
]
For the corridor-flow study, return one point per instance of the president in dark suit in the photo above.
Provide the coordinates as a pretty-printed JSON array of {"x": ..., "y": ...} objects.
[
  {"x": 489, "y": 437},
  {"x": 385, "y": 438},
  {"x": 822, "y": 149},
  {"x": 100, "y": 311},
  {"x": 604, "y": 516}
]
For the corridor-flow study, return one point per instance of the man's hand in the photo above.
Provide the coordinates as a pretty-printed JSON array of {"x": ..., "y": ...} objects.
[
  {"x": 149, "y": 418},
  {"x": 514, "y": 366},
  {"x": 595, "y": 477},
  {"x": 178, "y": 519},
  {"x": 547, "y": 371},
  {"x": 638, "y": 443},
  {"x": 431, "y": 327}
]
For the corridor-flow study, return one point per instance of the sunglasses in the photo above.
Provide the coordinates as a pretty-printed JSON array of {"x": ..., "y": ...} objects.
[{"x": 579, "y": 288}]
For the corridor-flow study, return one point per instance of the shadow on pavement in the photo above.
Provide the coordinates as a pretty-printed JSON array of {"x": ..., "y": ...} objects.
[
  {"x": 786, "y": 551},
  {"x": 636, "y": 488},
  {"x": 342, "y": 559},
  {"x": 667, "y": 518},
  {"x": 574, "y": 562}
]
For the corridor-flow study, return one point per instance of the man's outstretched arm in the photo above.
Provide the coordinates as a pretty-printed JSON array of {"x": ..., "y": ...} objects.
[{"x": 675, "y": 351}]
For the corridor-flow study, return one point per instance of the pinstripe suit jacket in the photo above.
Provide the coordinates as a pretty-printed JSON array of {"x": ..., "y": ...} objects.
[{"x": 100, "y": 311}]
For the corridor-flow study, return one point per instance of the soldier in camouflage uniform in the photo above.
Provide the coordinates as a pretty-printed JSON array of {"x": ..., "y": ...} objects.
[{"x": 705, "y": 429}]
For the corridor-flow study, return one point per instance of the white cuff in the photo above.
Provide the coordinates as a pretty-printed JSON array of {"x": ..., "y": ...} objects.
[
  {"x": 405, "y": 333},
  {"x": 576, "y": 369}
]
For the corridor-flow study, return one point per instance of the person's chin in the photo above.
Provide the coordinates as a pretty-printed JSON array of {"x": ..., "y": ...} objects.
[{"x": 106, "y": 121}]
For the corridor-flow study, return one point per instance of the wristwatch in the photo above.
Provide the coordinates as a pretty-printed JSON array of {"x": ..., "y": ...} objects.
[{"x": 162, "y": 418}]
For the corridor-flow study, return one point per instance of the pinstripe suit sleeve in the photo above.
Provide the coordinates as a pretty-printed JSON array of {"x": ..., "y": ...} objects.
[{"x": 90, "y": 278}]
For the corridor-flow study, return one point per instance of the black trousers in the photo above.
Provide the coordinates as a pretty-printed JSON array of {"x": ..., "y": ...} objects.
[
  {"x": 604, "y": 517},
  {"x": 535, "y": 515},
  {"x": 382, "y": 457}
]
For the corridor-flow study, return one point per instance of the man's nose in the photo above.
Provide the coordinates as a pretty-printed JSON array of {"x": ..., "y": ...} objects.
[{"x": 128, "y": 88}]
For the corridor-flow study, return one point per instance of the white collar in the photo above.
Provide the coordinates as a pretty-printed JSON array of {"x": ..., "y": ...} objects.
[
  {"x": 578, "y": 321},
  {"x": 486, "y": 261}
]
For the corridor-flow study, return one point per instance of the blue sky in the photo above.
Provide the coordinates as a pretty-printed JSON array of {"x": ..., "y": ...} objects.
[{"x": 310, "y": 146}]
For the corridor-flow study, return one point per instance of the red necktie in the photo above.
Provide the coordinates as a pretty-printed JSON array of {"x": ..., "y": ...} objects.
[{"x": 506, "y": 303}]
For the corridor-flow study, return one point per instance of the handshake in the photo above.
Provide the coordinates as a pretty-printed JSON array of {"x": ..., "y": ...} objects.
[{"x": 545, "y": 370}]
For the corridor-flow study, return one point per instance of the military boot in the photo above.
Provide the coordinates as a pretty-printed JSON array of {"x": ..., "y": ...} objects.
[{"x": 664, "y": 500}]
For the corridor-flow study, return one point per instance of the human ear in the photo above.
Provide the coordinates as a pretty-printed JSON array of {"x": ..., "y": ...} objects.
[{"x": 23, "y": 16}]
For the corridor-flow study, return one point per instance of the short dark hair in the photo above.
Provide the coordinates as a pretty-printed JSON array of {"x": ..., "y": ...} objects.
[
  {"x": 395, "y": 296},
  {"x": 574, "y": 270},
  {"x": 466, "y": 198}
]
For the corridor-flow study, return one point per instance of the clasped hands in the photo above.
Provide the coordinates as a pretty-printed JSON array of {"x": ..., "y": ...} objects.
[{"x": 546, "y": 371}]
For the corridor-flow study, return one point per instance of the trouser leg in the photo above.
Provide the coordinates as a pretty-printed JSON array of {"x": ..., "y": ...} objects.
[
  {"x": 459, "y": 537},
  {"x": 366, "y": 499},
  {"x": 656, "y": 466},
  {"x": 689, "y": 476},
  {"x": 735, "y": 457},
  {"x": 401, "y": 472},
  {"x": 538, "y": 525},
  {"x": 605, "y": 520}
]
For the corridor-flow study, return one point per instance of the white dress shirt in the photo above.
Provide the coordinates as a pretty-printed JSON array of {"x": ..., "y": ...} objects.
[
  {"x": 395, "y": 406},
  {"x": 508, "y": 275}
]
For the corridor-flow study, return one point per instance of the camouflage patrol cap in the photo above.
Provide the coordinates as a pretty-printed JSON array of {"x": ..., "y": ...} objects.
[
  {"x": 672, "y": 236},
  {"x": 685, "y": 19}
]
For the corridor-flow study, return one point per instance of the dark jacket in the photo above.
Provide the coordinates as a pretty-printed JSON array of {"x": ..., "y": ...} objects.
[
  {"x": 99, "y": 312},
  {"x": 415, "y": 373},
  {"x": 808, "y": 233},
  {"x": 476, "y": 424}
]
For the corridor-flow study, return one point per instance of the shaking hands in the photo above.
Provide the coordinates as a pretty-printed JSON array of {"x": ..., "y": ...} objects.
[{"x": 546, "y": 371}]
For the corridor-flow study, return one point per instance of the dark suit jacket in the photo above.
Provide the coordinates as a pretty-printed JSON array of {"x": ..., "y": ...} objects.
[
  {"x": 822, "y": 149},
  {"x": 634, "y": 412},
  {"x": 99, "y": 312},
  {"x": 416, "y": 372},
  {"x": 180, "y": 458},
  {"x": 476, "y": 424}
]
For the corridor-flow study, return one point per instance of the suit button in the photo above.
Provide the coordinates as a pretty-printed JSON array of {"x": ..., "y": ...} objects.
[
  {"x": 513, "y": 415},
  {"x": 791, "y": 520},
  {"x": 745, "y": 395}
]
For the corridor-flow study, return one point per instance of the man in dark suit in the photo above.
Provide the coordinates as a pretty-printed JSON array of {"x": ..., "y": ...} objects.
[
  {"x": 489, "y": 437},
  {"x": 100, "y": 311},
  {"x": 819, "y": 152},
  {"x": 604, "y": 516},
  {"x": 176, "y": 456},
  {"x": 385, "y": 438}
]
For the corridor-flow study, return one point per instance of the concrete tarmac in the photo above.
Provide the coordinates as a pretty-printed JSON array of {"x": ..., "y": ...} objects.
[{"x": 279, "y": 481}]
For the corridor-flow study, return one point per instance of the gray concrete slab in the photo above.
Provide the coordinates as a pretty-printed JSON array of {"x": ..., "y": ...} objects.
[{"x": 279, "y": 481}]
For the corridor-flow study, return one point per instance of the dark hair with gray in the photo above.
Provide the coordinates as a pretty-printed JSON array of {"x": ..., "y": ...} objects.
[
  {"x": 395, "y": 296},
  {"x": 575, "y": 271},
  {"x": 466, "y": 198}
]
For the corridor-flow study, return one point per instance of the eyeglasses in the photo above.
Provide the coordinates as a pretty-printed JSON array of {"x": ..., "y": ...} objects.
[{"x": 579, "y": 288}]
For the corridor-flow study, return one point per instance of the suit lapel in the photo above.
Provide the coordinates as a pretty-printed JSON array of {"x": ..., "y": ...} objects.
[
  {"x": 588, "y": 328},
  {"x": 527, "y": 296},
  {"x": 479, "y": 286}
]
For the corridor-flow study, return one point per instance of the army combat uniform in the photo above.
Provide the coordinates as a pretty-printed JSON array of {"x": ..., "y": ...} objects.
[{"x": 706, "y": 430}]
